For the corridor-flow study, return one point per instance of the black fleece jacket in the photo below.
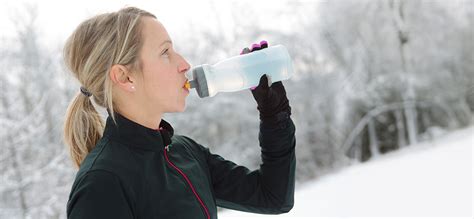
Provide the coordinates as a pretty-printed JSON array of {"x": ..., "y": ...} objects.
[{"x": 137, "y": 172}]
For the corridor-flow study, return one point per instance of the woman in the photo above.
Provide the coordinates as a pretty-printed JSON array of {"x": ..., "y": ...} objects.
[{"x": 135, "y": 167}]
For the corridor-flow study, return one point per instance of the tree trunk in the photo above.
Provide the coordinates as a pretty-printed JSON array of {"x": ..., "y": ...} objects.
[
  {"x": 400, "y": 129},
  {"x": 409, "y": 95},
  {"x": 411, "y": 117},
  {"x": 374, "y": 145}
]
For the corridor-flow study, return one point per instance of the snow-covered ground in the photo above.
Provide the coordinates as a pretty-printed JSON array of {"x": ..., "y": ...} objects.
[{"x": 431, "y": 179}]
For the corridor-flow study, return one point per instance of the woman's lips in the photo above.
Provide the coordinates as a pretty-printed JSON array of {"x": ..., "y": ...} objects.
[{"x": 186, "y": 86}]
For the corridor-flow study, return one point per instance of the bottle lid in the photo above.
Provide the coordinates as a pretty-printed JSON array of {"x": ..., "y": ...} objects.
[{"x": 187, "y": 85}]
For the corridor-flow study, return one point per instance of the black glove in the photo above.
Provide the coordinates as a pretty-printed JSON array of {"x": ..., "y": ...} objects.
[{"x": 272, "y": 102}]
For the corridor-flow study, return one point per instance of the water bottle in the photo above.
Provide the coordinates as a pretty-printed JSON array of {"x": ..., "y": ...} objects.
[{"x": 241, "y": 72}]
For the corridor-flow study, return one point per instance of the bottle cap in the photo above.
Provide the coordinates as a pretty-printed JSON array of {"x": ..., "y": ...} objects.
[{"x": 187, "y": 85}]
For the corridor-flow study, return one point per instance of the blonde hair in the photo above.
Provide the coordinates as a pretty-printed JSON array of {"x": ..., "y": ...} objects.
[{"x": 89, "y": 53}]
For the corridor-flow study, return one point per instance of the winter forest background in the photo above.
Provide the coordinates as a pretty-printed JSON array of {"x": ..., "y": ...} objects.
[{"x": 370, "y": 77}]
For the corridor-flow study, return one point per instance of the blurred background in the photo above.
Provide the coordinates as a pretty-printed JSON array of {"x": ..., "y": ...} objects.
[{"x": 376, "y": 82}]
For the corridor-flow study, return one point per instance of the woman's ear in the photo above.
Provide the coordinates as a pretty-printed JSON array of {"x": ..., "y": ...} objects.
[{"x": 120, "y": 76}]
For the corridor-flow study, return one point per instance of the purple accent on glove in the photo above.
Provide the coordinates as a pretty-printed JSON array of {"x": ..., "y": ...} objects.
[{"x": 255, "y": 46}]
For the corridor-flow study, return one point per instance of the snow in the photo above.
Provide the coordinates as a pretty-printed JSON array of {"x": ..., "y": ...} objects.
[{"x": 430, "y": 179}]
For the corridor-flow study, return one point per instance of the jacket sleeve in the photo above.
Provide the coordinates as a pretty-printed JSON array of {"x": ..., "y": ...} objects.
[
  {"x": 267, "y": 190},
  {"x": 98, "y": 195}
]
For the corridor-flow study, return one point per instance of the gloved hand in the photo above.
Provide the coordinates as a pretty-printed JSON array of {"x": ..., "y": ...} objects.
[{"x": 271, "y": 99}]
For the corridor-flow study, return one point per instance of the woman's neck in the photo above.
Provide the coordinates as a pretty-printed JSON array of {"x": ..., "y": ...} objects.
[{"x": 142, "y": 118}]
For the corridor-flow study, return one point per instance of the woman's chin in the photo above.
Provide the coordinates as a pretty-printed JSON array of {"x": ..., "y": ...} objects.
[{"x": 181, "y": 108}]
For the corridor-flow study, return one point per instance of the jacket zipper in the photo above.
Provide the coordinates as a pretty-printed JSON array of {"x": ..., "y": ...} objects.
[{"x": 188, "y": 181}]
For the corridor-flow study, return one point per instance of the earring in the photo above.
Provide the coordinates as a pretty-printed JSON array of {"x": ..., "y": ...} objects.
[{"x": 133, "y": 87}]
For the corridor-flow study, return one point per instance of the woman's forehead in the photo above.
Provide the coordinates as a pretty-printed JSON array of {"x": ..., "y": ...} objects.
[{"x": 155, "y": 33}]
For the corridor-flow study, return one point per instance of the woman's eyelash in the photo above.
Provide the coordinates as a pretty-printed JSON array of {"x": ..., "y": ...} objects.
[{"x": 166, "y": 51}]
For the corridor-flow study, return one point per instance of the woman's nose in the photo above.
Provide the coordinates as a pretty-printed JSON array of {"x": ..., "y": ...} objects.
[{"x": 183, "y": 66}]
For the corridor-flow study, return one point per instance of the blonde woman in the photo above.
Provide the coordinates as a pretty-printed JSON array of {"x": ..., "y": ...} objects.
[{"x": 134, "y": 166}]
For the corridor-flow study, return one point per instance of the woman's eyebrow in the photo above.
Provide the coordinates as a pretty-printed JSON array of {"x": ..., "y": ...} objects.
[{"x": 166, "y": 41}]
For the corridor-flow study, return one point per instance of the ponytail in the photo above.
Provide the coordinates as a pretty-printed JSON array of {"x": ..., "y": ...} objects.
[{"x": 83, "y": 127}]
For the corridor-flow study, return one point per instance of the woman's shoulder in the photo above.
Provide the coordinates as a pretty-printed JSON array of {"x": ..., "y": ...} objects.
[
  {"x": 108, "y": 154},
  {"x": 96, "y": 177},
  {"x": 186, "y": 142},
  {"x": 109, "y": 157},
  {"x": 183, "y": 139},
  {"x": 189, "y": 144}
]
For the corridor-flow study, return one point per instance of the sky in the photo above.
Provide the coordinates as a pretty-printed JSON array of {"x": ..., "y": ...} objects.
[{"x": 58, "y": 19}]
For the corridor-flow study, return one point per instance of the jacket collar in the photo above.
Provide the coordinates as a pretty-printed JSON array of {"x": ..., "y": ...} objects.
[{"x": 135, "y": 135}]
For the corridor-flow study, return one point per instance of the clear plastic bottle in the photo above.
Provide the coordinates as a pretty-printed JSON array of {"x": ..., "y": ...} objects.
[{"x": 241, "y": 72}]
